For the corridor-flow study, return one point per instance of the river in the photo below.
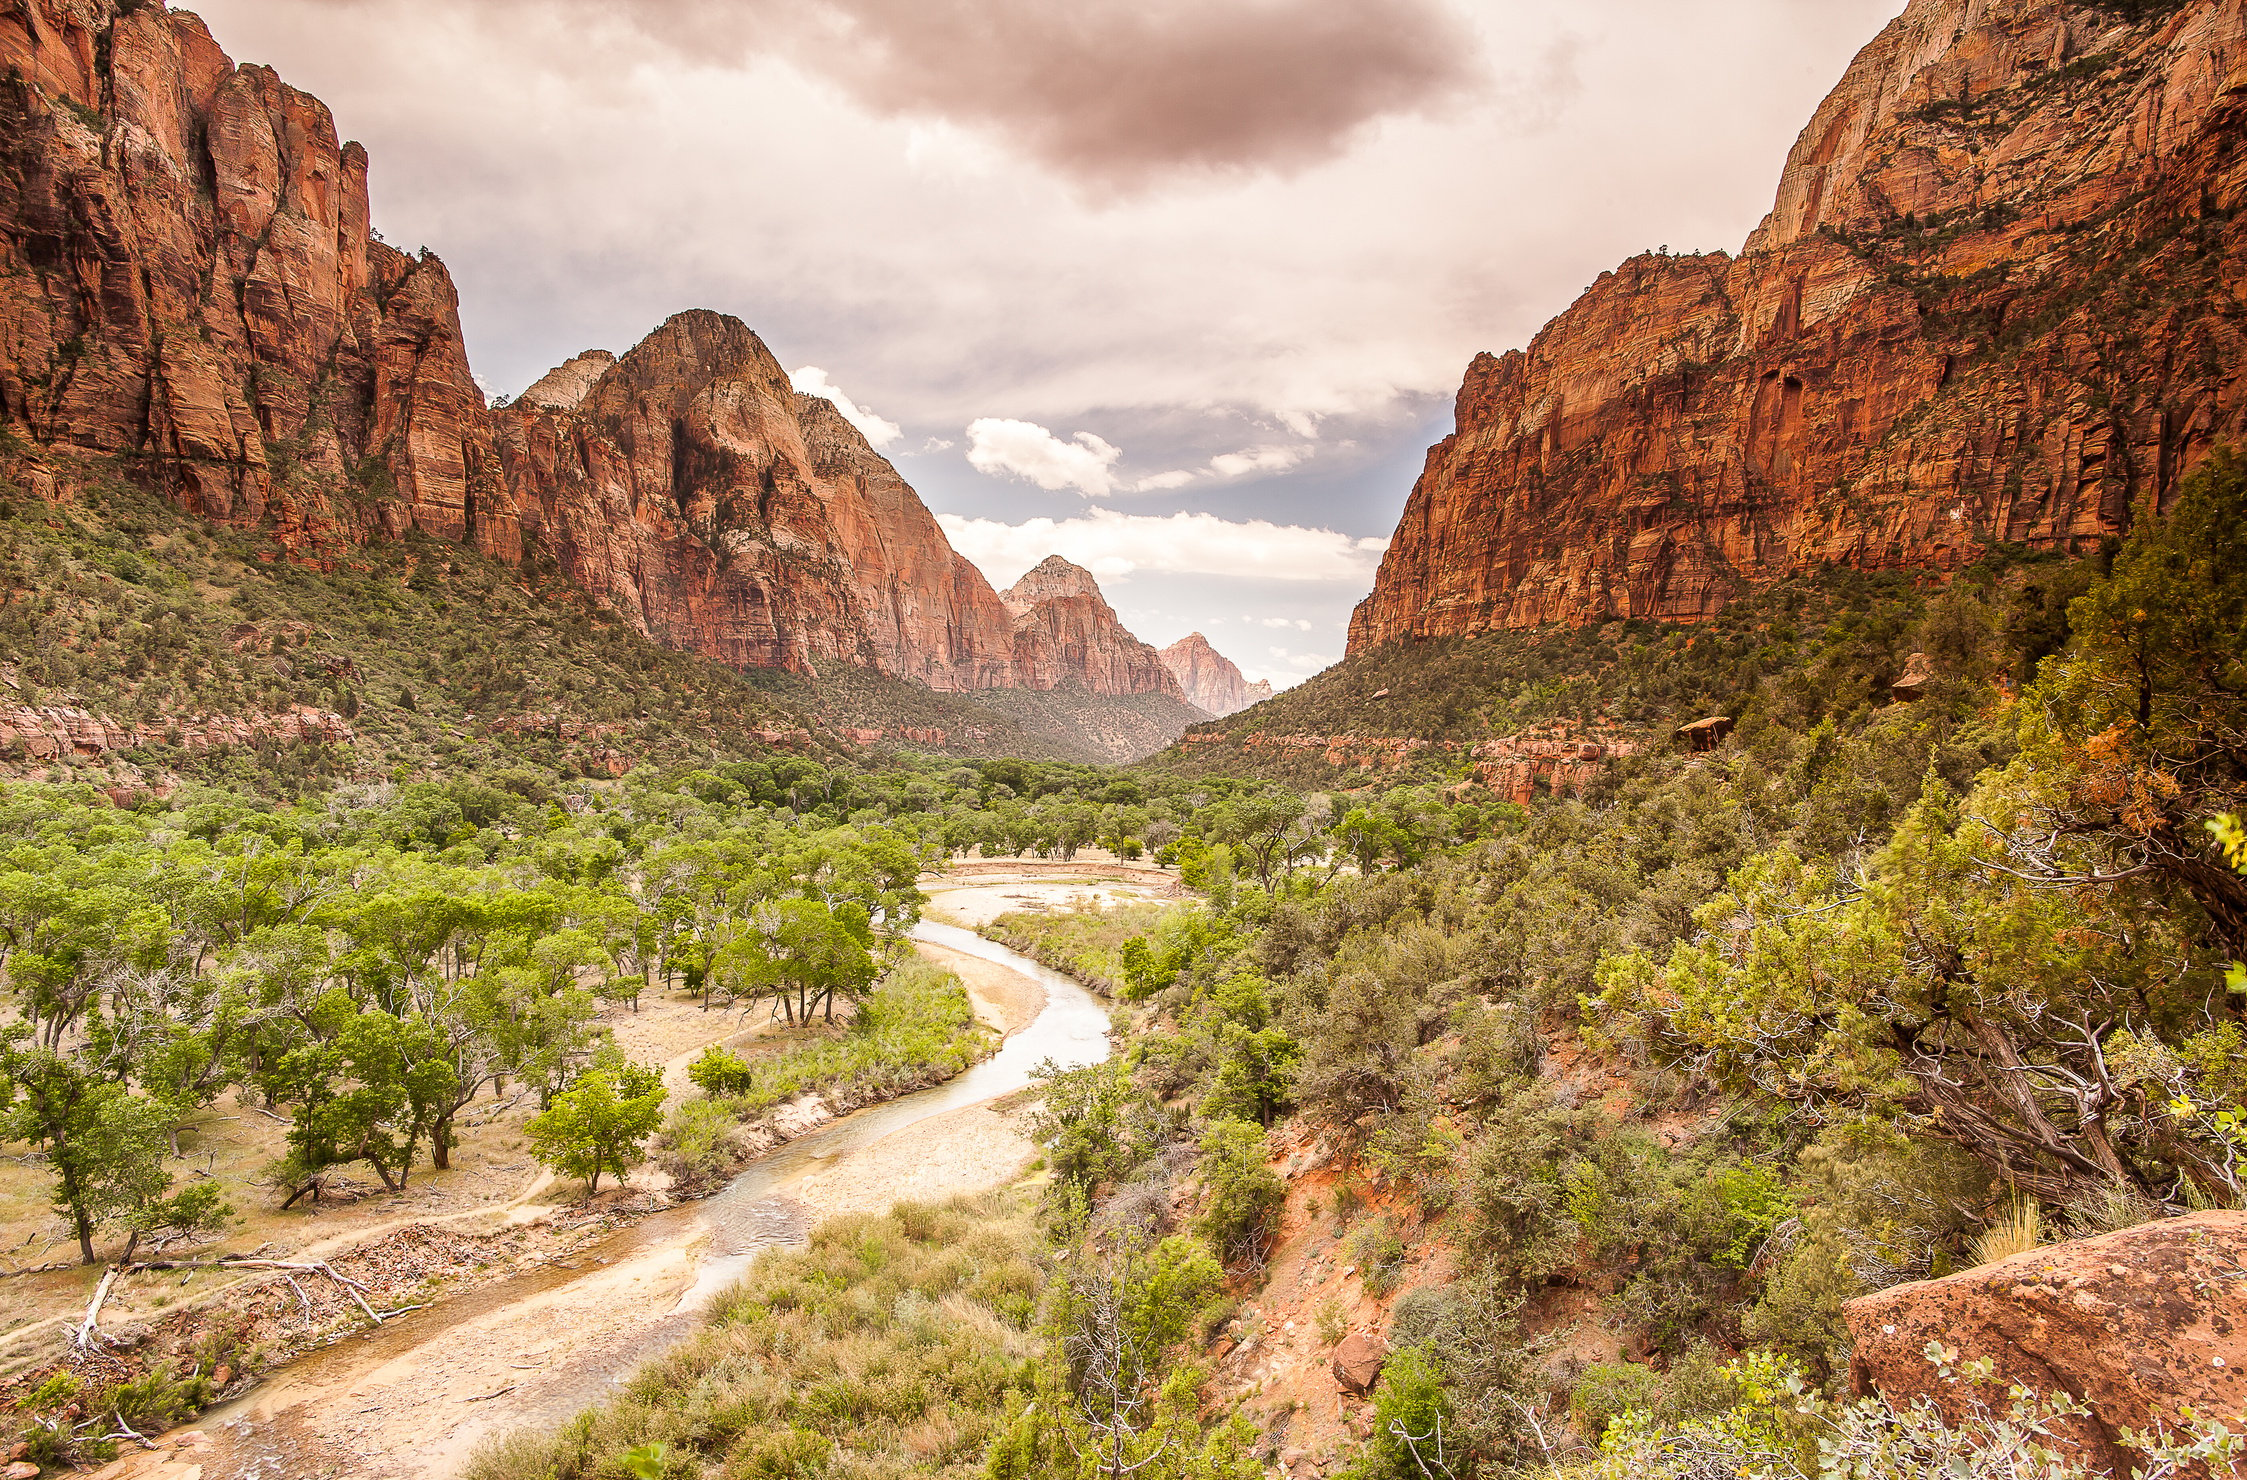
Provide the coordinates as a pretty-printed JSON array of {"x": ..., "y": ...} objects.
[{"x": 533, "y": 1349}]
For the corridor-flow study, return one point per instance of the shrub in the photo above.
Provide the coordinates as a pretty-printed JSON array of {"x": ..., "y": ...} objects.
[
  {"x": 1608, "y": 1390},
  {"x": 1242, "y": 1196}
]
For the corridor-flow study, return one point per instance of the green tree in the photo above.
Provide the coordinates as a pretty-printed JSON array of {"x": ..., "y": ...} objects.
[
  {"x": 1241, "y": 1192},
  {"x": 802, "y": 954},
  {"x": 602, "y": 1122},
  {"x": 104, "y": 1144},
  {"x": 2144, "y": 719},
  {"x": 2022, "y": 1021}
]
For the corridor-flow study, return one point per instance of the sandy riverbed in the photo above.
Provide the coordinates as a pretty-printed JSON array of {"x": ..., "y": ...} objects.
[{"x": 414, "y": 1400}]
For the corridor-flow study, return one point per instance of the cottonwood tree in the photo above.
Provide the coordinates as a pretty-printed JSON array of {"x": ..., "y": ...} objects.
[
  {"x": 602, "y": 1122},
  {"x": 104, "y": 1144}
]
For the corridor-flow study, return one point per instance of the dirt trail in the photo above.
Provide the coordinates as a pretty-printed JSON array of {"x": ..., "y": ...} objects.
[{"x": 414, "y": 1398}]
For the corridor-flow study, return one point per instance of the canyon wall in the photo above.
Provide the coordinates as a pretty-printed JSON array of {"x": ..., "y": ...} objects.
[
  {"x": 692, "y": 490},
  {"x": 192, "y": 295},
  {"x": 189, "y": 283},
  {"x": 1210, "y": 679},
  {"x": 1997, "y": 301},
  {"x": 1064, "y": 631}
]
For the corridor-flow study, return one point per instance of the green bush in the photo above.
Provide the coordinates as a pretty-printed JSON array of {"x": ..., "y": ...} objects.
[
  {"x": 1241, "y": 1194},
  {"x": 1607, "y": 1390}
]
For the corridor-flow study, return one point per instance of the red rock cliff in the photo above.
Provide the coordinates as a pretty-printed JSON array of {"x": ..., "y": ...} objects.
[
  {"x": 188, "y": 280},
  {"x": 1064, "y": 630},
  {"x": 1209, "y": 678},
  {"x": 695, "y": 492},
  {"x": 190, "y": 289},
  {"x": 1997, "y": 300}
]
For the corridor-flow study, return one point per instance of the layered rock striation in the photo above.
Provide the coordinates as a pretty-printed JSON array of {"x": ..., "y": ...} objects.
[
  {"x": 1210, "y": 679},
  {"x": 1065, "y": 632},
  {"x": 690, "y": 488},
  {"x": 1995, "y": 302},
  {"x": 189, "y": 282}
]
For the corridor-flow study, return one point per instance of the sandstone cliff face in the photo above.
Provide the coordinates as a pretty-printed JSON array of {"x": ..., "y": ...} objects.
[
  {"x": 1065, "y": 631},
  {"x": 695, "y": 492},
  {"x": 1209, "y": 678},
  {"x": 1995, "y": 301},
  {"x": 564, "y": 387},
  {"x": 188, "y": 280},
  {"x": 190, "y": 290}
]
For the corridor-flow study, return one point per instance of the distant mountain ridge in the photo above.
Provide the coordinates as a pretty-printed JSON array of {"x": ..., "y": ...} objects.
[
  {"x": 1210, "y": 679},
  {"x": 192, "y": 292},
  {"x": 1994, "y": 304}
]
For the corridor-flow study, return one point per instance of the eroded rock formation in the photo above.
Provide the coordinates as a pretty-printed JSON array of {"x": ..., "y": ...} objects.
[
  {"x": 191, "y": 292},
  {"x": 1065, "y": 632},
  {"x": 1209, "y": 678},
  {"x": 189, "y": 280},
  {"x": 693, "y": 490},
  {"x": 2140, "y": 1325},
  {"x": 1996, "y": 301}
]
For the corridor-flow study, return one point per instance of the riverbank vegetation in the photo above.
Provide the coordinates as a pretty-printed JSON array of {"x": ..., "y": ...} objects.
[{"x": 893, "y": 1344}]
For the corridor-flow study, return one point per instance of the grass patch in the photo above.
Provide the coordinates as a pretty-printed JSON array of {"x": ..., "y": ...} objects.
[
  {"x": 891, "y": 1346},
  {"x": 917, "y": 1029},
  {"x": 1087, "y": 945}
]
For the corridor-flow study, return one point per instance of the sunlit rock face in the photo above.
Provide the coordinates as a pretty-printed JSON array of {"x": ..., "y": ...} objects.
[
  {"x": 1209, "y": 678},
  {"x": 1065, "y": 631},
  {"x": 192, "y": 291},
  {"x": 1990, "y": 305}
]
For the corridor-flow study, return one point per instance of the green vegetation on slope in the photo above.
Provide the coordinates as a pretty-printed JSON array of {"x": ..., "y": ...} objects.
[
  {"x": 1791, "y": 656},
  {"x": 442, "y": 662},
  {"x": 1690, "y": 1059}
]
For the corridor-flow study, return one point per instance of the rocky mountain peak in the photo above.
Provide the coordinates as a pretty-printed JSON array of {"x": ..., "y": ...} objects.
[
  {"x": 1927, "y": 349},
  {"x": 1052, "y": 579},
  {"x": 565, "y": 386},
  {"x": 1210, "y": 679}
]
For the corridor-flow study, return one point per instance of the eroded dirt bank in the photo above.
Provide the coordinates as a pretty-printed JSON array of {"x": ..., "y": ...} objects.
[{"x": 531, "y": 1349}]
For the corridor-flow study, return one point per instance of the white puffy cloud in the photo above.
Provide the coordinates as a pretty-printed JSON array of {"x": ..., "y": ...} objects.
[
  {"x": 1176, "y": 478},
  {"x": 1302, "y": 664},
  {"x": 1023, "y": 449},
  {"x": 1258, "y": 460},
  {"x": 813, "y": 381},
  {"x": 1296, "y": 622},
  {"x": 1111, "y": 544}
]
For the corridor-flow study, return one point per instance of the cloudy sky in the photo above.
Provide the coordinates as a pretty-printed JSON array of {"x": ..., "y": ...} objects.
[{"x": 1179, "y": 288}]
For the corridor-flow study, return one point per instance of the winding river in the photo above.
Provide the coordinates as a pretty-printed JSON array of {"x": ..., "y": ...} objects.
[{"x": 533, "y": 1349}]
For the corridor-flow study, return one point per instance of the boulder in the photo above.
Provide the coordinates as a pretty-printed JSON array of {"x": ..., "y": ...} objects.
[
  {"x": 1357, "y": 1362},
  {"x": 2139, "y": 1325}
]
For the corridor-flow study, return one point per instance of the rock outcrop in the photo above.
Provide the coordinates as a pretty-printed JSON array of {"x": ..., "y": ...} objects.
[
  {"x": 1209, "y": 678},
  {"x": 2139, "y": 1325},
  {"x": 1065, "y": 632},
  {"x": 49, "y": 732},
  {"x": 695, "y": 492},
  {"x": 189, "y": 280},
  {"x": 1993, "y": 303},
  {"x": 564, "y": 387},
  {"x": 192, "y": 294}
]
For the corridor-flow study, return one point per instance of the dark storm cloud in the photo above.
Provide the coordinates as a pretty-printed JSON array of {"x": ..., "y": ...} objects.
[
  {"x": 1118, "y": 92},
  {"x": 1112, "y": 94}
]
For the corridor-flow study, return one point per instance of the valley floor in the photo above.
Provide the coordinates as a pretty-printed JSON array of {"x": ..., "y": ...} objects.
[{"x": 562, "y": 1332}]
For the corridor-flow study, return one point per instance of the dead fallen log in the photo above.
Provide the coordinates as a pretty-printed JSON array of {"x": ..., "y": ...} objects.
[
  {"x": 349, "y": 1286},
  {"x": 86, "y": 1328}
]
